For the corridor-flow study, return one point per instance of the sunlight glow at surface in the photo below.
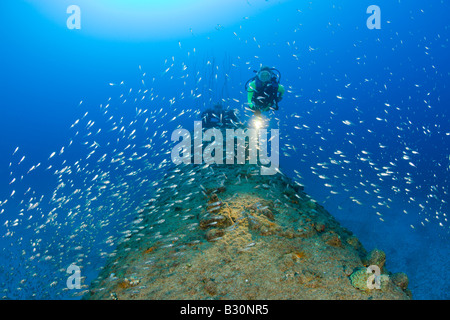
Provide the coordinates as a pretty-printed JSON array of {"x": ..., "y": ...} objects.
[{"x": 152, "y": 19}]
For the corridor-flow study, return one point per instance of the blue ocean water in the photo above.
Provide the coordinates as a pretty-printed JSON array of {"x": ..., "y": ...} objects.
[{"x": 87, "y": 116}]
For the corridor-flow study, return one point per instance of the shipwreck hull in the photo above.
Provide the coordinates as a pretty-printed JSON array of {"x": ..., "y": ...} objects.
[{"x": 228, "y": 232}]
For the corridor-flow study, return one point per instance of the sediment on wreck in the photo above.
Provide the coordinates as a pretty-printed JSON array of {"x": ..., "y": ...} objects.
[{"x": 228, "y": 232}]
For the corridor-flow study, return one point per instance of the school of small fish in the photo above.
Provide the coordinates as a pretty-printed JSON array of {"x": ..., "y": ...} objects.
[{"x": 115, "y": 162}]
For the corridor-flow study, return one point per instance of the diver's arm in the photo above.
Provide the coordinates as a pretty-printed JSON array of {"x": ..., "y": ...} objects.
[
  {"x": 281, "y": 90},
  {"x": 280, "y": 94},
  {"x": 279, "y": 97},
  {"x": 250, "y": 93}
]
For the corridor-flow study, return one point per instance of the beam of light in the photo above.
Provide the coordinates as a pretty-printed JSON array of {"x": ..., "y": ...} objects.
[{"x": 258, "y": 122}]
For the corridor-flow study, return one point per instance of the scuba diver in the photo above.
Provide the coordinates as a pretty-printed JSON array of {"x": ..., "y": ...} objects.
[
  {"x": 264, "y": 90},
  {"x": 219, "y": 117}
]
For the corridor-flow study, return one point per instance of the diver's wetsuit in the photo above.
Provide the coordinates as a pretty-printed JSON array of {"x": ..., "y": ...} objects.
[{"x": 263, "y": 96}]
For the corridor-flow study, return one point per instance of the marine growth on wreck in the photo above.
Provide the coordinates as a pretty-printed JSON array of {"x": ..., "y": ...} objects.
[{"x": 228, "y": 232}]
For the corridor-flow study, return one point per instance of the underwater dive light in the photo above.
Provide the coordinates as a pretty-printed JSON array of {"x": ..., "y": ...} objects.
[{"x": 257, "y": 122}]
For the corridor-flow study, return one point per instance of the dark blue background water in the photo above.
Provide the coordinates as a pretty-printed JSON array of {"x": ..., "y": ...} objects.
[{"x": 335, "y": 70}]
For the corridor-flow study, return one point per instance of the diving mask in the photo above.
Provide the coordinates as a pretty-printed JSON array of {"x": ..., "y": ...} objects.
[{"x": 265, "y": 76}]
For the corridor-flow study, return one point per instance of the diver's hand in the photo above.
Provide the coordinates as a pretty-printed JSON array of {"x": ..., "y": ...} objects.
[{"x": 257, "y": 113}]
